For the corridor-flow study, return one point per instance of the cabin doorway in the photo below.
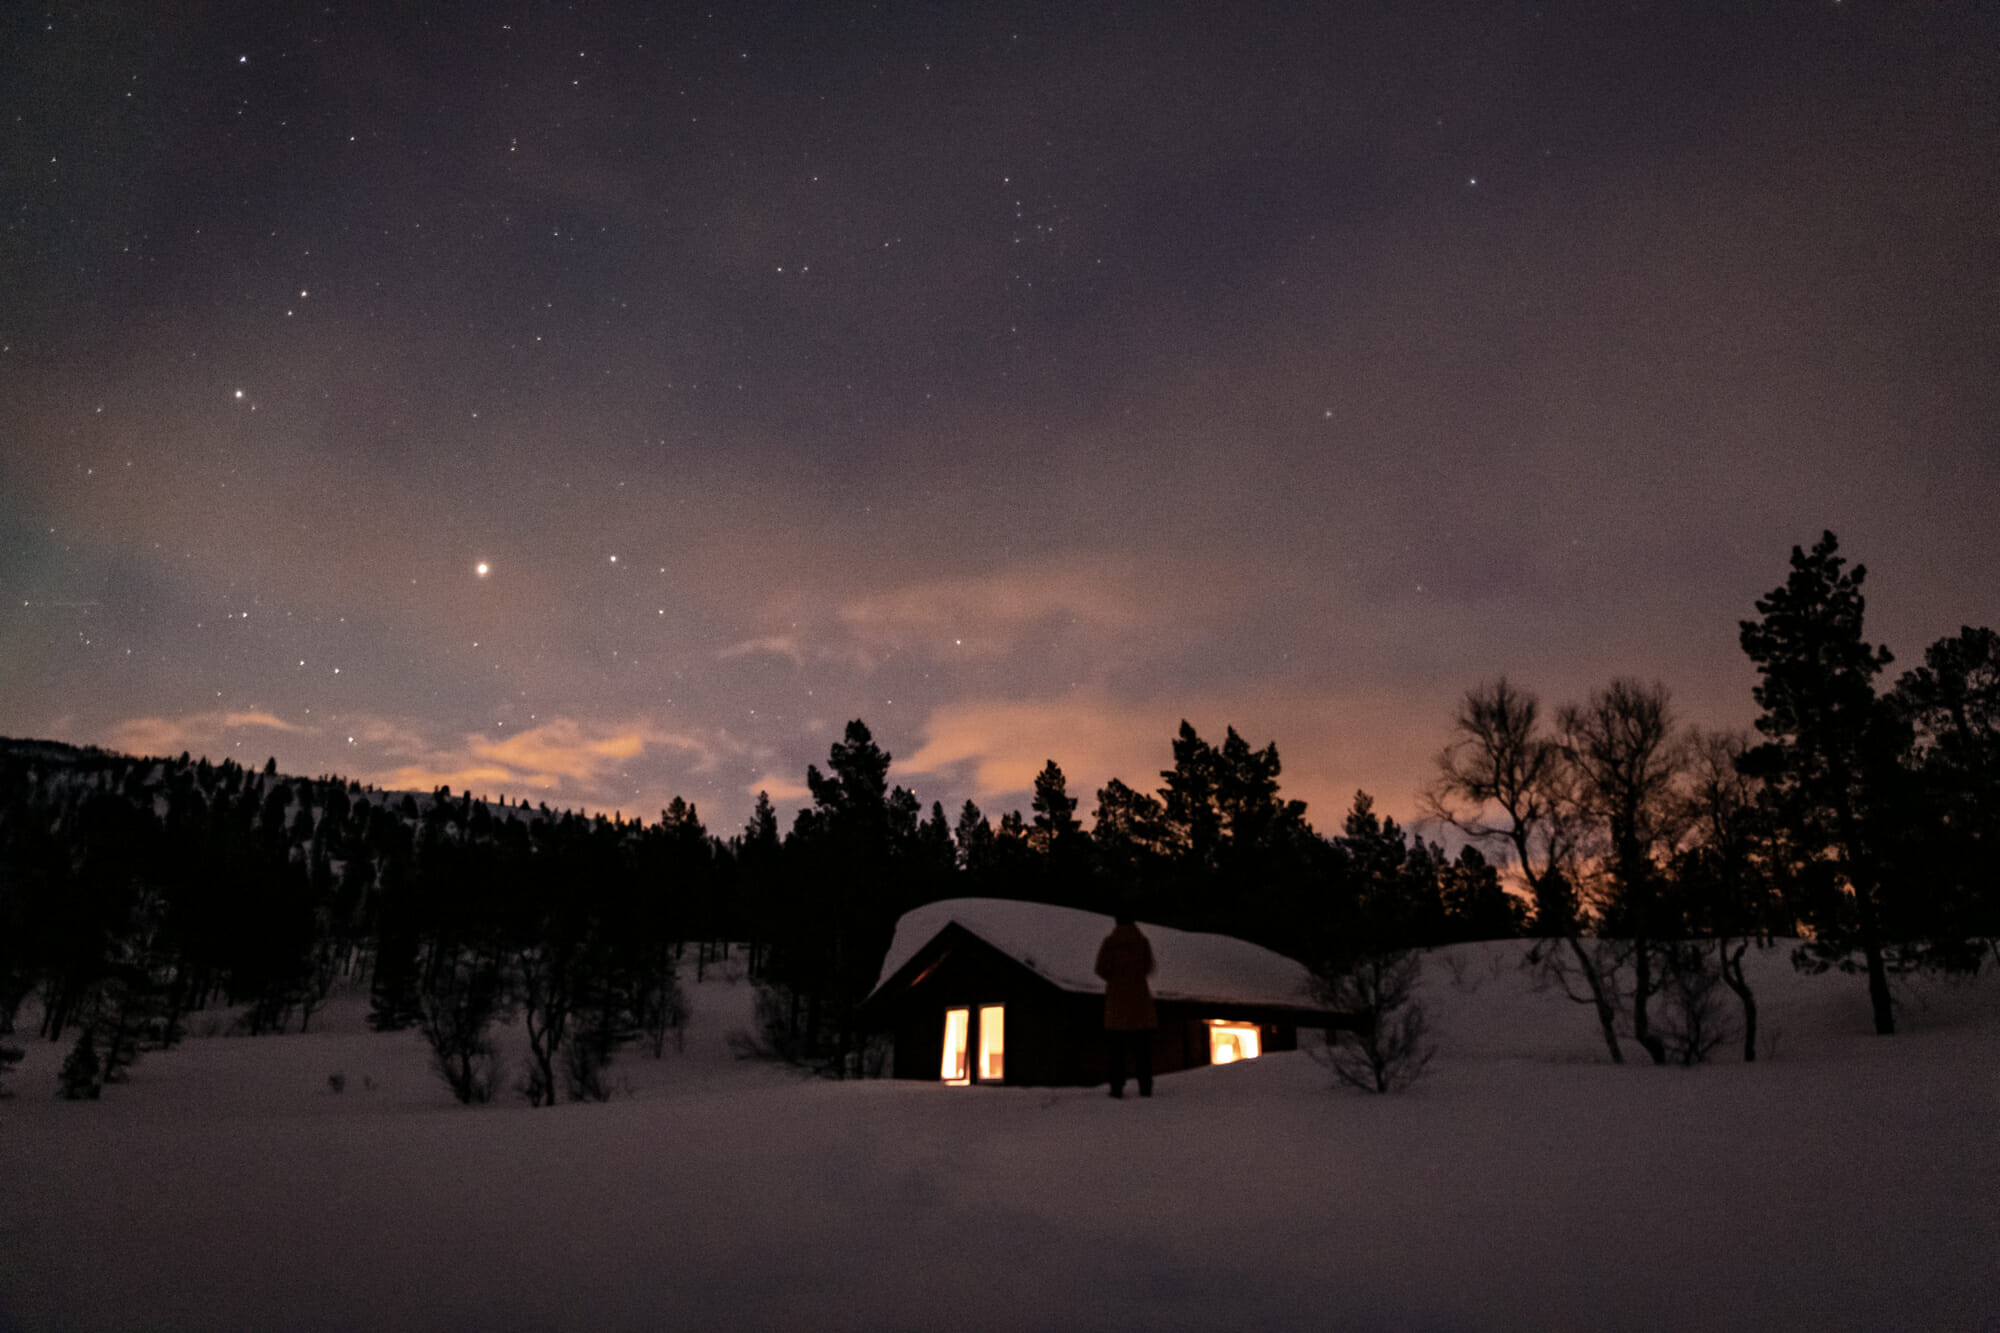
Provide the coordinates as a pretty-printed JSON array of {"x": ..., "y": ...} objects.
[
  {"x": 1229, "y": 1042},
  {"x": 959, "y": 1067}
]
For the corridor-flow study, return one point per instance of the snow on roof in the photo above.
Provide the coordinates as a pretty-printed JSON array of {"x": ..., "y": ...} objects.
[{"x": 1061, "y": 943}]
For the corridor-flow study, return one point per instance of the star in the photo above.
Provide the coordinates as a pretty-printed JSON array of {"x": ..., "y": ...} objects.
[{"x": 482, "y": 569}]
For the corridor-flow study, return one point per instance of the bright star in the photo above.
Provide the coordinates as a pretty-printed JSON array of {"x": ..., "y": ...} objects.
[{"x": 482, "y": 569}]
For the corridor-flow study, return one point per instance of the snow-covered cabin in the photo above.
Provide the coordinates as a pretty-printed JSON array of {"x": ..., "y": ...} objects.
[{"x": 990, "y": 990}]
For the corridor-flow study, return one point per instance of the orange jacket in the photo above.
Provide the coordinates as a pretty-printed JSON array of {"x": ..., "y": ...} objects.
[{"x": 1125, "y": 960}]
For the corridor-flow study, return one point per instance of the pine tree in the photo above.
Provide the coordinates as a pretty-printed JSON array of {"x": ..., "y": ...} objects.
[
  {"x": 1055, "y": 809},
  {"x": 1952, "y": 703},
  {"x": 1831, "y": 765},
  {"x": 1476, "y": 906},
  {"x": 849, "y": 854},
  {"x": 1129, "y": 849},
  {"x": 758, "y": 852},
  {"x": 974, "y": 838},
  {"x": 1058, "y": 838}
]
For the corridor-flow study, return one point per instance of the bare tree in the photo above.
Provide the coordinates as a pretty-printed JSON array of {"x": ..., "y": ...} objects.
[
  {"x": 662, "y": 1008},
  {"x": 1502, "y": 779},
  {"x": 1722, "y": 876},
  {"x": 543, "y": 978},
  {"x": 590, "y": 1052},
  {"x": 1629, "y": 760}
]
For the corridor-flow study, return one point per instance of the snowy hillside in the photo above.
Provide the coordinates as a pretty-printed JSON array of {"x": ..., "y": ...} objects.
[{"x": 1849, "y": 1181}]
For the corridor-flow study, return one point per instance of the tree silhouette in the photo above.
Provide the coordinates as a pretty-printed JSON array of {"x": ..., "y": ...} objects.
[
  {"x": 853, "y": 857},
  {"x": 1628, "y": 759},
  {"x": 1830, "y": 763},
  {"x": 1504, "y": 780},
  {"x": 1952, "y": 704},
  {"x": 973, "y": 837},
  {"x": 1059, "y": 839}
]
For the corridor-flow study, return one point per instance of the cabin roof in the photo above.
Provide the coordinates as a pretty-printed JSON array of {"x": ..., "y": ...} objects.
[{"x": 1060, "y": 945}]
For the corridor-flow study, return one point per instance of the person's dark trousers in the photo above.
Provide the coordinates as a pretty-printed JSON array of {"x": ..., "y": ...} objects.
[{"x": 1140, "y": 1044}]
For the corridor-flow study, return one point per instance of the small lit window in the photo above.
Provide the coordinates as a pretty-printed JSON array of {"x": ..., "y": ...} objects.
[
  {"x": 955, "y": 1026},
  {"x": 1230, "y": 1042},
  {"x": 992, "y": 1042}
]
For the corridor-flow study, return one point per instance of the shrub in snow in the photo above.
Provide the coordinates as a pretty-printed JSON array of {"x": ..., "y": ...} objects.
[
  {"x": 584, "y": 1063},
  {"x": 872, "y": 1056},
  {"x": 603, "y": 1027},
  {"x": 81, "y": 1077},
  {"x": 456, "y": 1017},
  {"x": 336, "y": 1083},
  {"x": 779, "y": 1034},
  {"x": 1694, "y": 1016},
  {"x": 1392, "y": 1048},
  {"x": 662, "y": 1008}
]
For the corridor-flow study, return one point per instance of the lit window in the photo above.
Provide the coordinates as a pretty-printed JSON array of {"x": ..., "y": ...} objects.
[
  {"x": 992, "y": 1042},
  {"x": 1230, "y": 1042},
  {"x": 955, "y": 1023}
]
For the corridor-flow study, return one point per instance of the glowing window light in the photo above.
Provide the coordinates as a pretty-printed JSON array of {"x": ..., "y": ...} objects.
[
  {"x": 1230, "y": 1042},
  {"x": 992, "y": 1042},
  {"x": 955, "y": 1023}
]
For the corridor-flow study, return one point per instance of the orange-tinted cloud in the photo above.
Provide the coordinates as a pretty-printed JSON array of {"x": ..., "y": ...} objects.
[
  {"x": 559, "y": 749},
  {"x": 190, "y": 731},
  {"x": 780, "y": 788},
  {"x": 563, "y": 757},
  {"x": 999, "y": 746}
]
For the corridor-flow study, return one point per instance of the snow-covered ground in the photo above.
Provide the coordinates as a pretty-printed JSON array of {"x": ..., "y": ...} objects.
[{"x": 1847, "y": 1182}]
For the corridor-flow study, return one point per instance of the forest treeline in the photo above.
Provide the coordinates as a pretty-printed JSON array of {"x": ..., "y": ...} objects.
[{"x": 1645, "y": 857}]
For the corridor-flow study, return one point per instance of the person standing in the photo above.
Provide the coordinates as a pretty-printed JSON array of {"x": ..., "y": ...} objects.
[{"x": 1125, "y": 960}]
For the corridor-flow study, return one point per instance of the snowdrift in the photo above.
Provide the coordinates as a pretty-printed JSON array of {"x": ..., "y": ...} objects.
[{"x": 1845, "y": 1181}]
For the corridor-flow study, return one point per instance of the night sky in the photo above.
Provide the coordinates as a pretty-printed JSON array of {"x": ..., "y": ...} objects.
[{"x": 602, "y": 402}]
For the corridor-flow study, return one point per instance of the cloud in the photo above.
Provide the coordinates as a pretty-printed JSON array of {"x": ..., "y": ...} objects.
[
  {"x": 165, "y": 735},
  {"x": 560, "y": 749},
  {"x": 599, "y": 765},
  {"x": 1091, "y": 611},
  {"x": 774, "y": 645},
  {"x": 988, "y": 616},
  {"x": 780, "y": 788},
  {"x": 997, "y": 747}
]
